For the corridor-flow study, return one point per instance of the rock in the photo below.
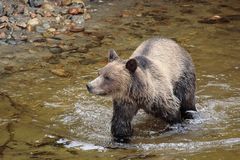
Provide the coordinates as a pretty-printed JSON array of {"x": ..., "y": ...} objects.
[
  {"x": 77, "y": 24},
  {"x": 3, "y": 35},
  {"x": 75, "y": 28},
  {"x": 9, "y": 10},
  {"x": 233, "y": 17},
  {"x": 33, "y": 15},
  {"x": 3, "y": 19},
  {"x": 51, "y": 29},
  {"x": 48, "y": 34},
  {"x": 40, "y": 29},
  {"x": 47, "y": 14},
  {"x": 66, "y": 2},
  {"x": 46, "y": 25},
  {"x": 33, "y": 22},
  {"x": 78, "y": 1},
  {"x": 48, "y": 7},
  {"x": 68, "y": 47},
  {"x": 26, "y": 11},
  {"x": 125, "y": 13},
  {"x": 12, "y": 19},
  {"x": 75, "y": 11},
  {"x": 78, "y": 20},
  {"x": 87, "y": 16},
  {"x": 58, "y": 18},
  {"x": 21, "y": 24},
  {"x": 3, "y": 25},
  {"x": 11, "y": 42},
  {"x": 9, "y": 68},
  {"x": 35, "y": 3},
  {"x": 1, "y": 9},
  {"x": 30, "y": 28},
  {"x": 70, "y": 2},
  {"x": 56, "y": 50},
  {"x": 40, "y": 12},
  {"x": 20, "y": 9},
  {"x": 60, "y": 72},
  {"x": 52, "y": 59},
  {"x": 214, "y": 19},
  {"x": 19, "y": 36}
]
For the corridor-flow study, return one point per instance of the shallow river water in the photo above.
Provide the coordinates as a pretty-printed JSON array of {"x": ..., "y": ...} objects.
[{"x": 43, "y": 116}]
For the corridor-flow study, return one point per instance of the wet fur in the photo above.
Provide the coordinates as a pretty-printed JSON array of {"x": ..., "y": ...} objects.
[{"x": 163, "y": 85}]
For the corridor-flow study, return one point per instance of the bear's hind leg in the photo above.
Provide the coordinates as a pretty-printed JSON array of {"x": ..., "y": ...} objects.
[{"x": 184, "y": 90}]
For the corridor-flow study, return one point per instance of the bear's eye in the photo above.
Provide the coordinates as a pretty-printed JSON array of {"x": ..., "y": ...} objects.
[{"x": 107, "y": 78}]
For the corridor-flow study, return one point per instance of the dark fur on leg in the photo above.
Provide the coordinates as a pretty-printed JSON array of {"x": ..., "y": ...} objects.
[
  {"x": 184, "y": 90},
  {"x": 123, "y": 114}
]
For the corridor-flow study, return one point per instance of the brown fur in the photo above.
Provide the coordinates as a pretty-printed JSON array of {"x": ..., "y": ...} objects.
[{"x": 159, "y": 78}]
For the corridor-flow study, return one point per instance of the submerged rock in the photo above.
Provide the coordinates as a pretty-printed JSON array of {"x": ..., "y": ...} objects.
[
  {"x": 214, "y": 19},
  {"x": 78, "y": 20},
  {"x": 60, "y": 72},
  {"x": 56, "y": 50}
]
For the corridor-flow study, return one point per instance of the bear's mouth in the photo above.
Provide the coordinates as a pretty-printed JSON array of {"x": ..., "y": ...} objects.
[{"x": 101, "y": 94}]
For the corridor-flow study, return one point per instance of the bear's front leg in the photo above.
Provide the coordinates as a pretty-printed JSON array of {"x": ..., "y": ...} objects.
[{"x": 123, "y": 113}]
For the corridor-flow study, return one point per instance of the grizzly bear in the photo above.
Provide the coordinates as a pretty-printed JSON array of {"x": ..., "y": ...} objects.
[{"x": 159, "y": 78}]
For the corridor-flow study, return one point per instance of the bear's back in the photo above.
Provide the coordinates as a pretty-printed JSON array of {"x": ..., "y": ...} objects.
[{"x": 170, "y": 58}]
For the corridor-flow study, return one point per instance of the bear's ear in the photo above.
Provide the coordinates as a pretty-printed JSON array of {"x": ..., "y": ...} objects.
[
  {"x": 112, "y": 55},
  {"x": 131, "y": 65}
]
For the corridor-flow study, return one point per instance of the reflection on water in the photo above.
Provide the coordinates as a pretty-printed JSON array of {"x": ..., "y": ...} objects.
[{"x": 48, "y": 117}]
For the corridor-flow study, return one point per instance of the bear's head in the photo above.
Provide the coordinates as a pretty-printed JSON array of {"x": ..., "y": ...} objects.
[{"x": 115, "y": 78}]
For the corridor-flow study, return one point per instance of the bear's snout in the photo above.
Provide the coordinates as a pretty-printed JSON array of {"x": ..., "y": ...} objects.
[{"x": 89, "y": 88}]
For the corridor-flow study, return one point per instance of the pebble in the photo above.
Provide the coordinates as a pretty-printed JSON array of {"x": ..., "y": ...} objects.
[
  {"x": 51, "y": 29},
  {"x": 35, "y": 3},
  {"x": 46, "y": 25},
  {"x": 75, "y": 11},
  {"x": 66, "y": 2},
  {"x": 3, "y": 19},
  {"x": 3, "y": 25},
  {"x": 58, "y": 18},
  {"x": 40, "y": 29},
  {"x": 60, "y": 72},
  {"x": 30, "y": 28},
  {"x": 21, "y": 24},
  {"x": 47, "y": 14},
  {"x": 78, "y": 20},
  {"x": 55, "y": 50},
  {"x": 33, "y": 22},
  {"x": 214, "y": 19},
  {"x": 70, "y": 2},
  {"x": 48, "y": 7},
  {"x": 75, "y": 28},
  {"x": 78, "y": 2},
  {"x": 33, "y": 15},
  {"x": 2, "y": 35},
  {"x": 87, "y": 16}
]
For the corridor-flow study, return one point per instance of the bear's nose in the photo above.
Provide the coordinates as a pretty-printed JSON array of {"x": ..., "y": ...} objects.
[{"x": 89, "y": 88}]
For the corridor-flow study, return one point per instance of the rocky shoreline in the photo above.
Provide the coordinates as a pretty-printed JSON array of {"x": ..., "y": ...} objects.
[{"x": 21, "y": 19}]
